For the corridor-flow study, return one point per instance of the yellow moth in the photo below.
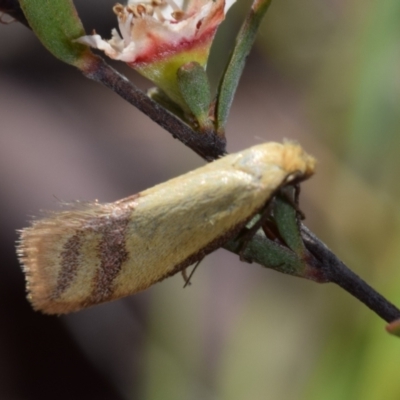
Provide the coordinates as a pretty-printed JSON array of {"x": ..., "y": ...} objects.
[{"x": 96, "y": 252}]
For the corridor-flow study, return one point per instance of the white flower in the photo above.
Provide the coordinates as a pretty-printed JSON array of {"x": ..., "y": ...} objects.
[{"x": 157, "y": 37}]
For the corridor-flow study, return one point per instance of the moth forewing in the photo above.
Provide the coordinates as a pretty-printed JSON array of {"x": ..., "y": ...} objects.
[{"x": 100, "y": 252}]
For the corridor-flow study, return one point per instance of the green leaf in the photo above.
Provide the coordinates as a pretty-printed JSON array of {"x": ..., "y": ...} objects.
[
  {"x": 244, "y": 43},
  {"x": 56, "y": 24},
  {"x": 269, "y": 254},
  {"x": 195, "y": 89},
  {"x": 286, "y": 218}
]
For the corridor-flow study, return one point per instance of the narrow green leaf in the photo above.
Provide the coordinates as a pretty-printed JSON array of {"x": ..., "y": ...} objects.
[
  {"x": 56, "y": 24},
  {"x": 195, "y": 89},
  {"x": 243, "y": 45},
  {"x": 270, "y": 255},
  {"x": 286, "y": 218}
]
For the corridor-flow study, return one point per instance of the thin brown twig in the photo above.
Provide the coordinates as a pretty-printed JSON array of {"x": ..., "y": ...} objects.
[
  {"x": 334, "y": 270},
  {"x": 208, "y": 145}
]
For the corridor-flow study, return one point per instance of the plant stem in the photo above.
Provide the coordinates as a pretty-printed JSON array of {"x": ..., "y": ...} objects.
[
  {"x": 207, "y": 145},
  {"x": 337, "y": 272}
]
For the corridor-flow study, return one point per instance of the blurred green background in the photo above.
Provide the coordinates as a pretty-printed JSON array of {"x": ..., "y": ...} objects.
[{"x": 325, "y": 73}]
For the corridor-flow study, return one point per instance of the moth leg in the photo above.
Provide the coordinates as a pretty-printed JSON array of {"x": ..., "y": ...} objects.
[
  {"x": 185, "y": 275},
  {"x": 188, "y": 278},
  {"x": 248, "y": 235}
]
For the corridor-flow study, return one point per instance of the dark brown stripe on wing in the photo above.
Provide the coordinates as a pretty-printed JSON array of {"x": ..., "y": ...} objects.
[
  {"x": 69, "y": 264},
  {"x": 112, "y": 253}
]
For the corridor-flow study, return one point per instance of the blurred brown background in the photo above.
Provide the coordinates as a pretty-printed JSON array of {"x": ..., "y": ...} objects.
[{"x": 325, "y": 73}]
